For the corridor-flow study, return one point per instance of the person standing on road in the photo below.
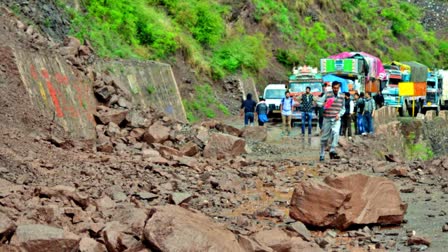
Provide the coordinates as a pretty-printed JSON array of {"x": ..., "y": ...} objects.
[
  {"x": 360, "y": 104},
  {"x": 307, "y": 110},
  {"x": 261, "y": 112},
  {"x": 355, "y": 113},
  {"x": 248, "y": 109},
  {"x": 333, "y": 103},
  {"x": 369, "y": 113},
  {"x": 286, "y": 107},
  {"x": 347, "y": 117}
]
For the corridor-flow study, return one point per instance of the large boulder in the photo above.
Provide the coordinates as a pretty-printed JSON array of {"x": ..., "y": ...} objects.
[
  {"x": 173, "y": 228},
  {"x": 347, "y": 200},
  {"x": 42, "y": 238},
  {"x": 222, "y": 145},
  {"x": 157, "y": 133},
  {"x": 256, "y": 133}
]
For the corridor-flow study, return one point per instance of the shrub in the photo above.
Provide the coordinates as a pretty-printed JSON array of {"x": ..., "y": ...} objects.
[{"x": 248, "y": 52}]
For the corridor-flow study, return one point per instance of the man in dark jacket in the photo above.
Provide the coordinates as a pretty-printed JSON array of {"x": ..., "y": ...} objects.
[
  {"x": 261, "y": 112},
  {"x": 248, "y": 109}
]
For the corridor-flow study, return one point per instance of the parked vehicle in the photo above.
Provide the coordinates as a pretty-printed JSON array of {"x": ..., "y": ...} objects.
[
  {"x": 411, "y": 71},
  {"x": 274, "y": 93},
  {"x": 433, "y": 92},
  {"x": 362, "y": 69},
  {"x": 444, "y": 74},
  {"x": 395, "y": 73},
  {"x": 302, "y": 77}
]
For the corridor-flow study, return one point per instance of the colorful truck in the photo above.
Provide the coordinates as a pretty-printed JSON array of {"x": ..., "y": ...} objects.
[
  {"x": 411, "y": 72},
  {"x": 444, "y": 74},
  {"x": 395, "y": 74},
  {"x": 362, "y": 69},
  {"x": 434, "y": 87},
  {"x": 302, "y": 77}
]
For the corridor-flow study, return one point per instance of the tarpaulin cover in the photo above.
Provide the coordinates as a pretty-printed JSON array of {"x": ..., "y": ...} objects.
[
  {"x": 376, "y": 68},
  {"x": 419, "y": 72},
  {"x": 330, "y": 78}
]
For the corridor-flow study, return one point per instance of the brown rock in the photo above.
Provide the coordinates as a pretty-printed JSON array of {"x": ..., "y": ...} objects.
[
  {"x": 68, "y": 51},
  {"x": 72, "y": 42},
  {"x": 7, "y": 227},
  {"x": 156, "y": 133},
  {"x": 167, "y": 152},
  {"x": 11, "y": 248},
  {"x": 346, "y": 200},
  {"x": 256, "y": 133},
  {"x": 84, "y": 50},
  {"x": 65, "y": 192},
  {"x": 228, "y": 129},
  {"x": 148, "y": 153},
  {"x": 250, "y": 245},
  {"x": 276, "y": 239},
  {"x": 392, "y": 158},
  {"x": 116, "y": 239},
  {"x": 203, "y": 134},
  {"x": 134, "y": 218},
  {"x": 137, "y": 133},
  {"x": 111, "y": 115},
  {"x": 41, "y": 238},
  {"x": 399, "y": 171},
  {"x": 415, "y": 240},
  {"x": 221, "y": 145},
  {"x": 90, "y": 245},
  {"x": 189, "y": 149},
  {"x": 172, "y": 228}
]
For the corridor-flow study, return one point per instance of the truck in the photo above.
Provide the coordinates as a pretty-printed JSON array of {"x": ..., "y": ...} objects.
[
  {"x": 363, "y": 70},
  {"x": 410, "y": 71},
  {"x": 349, "y": 68},
  {"x": 302, "y": 77},
  {"x": 273, "y": 94},
  {"x": 433, "y": 97},
  {"x": 395, "y": 74},
  {"x": 444, "y": 74}
]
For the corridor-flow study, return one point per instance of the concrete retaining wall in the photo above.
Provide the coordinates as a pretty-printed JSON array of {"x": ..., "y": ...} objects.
[
  {"x": 149, "y": 84},
  {"x": 385, "y": 115},
  {"x": 60, "y": 95}
]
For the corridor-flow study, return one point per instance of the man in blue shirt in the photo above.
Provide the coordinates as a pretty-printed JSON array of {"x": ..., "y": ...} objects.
[{"x": 286, "y": 107}]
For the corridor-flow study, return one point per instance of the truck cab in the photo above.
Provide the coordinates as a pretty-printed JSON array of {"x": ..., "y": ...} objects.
[
  {"x": 273, "y": 94},
  {"x": 302, "y": 77},
  {"x": 390, "y": 92},
  {"x": 433, "y": 92}
]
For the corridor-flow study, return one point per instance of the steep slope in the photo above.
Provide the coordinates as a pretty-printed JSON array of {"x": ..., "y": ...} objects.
[{"x": 214, "y": 42}]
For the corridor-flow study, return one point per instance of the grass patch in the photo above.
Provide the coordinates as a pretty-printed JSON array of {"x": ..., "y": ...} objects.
[{"x": 204, "y": 104}]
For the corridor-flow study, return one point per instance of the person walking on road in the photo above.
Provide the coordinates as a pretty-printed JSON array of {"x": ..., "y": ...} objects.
[
  {"x": 369, "y": 113},
  {"x": 333, "y": 103},
  {"x": 261, "y": 112},
  {"x": 286, "y": 107},
  {"x": 248, "y": 109},
  {"x": 307, "y": 110},
  {"x": 347, "y": 117},
  {"x": 360, "y": 104},
  {"x": 354, "y": 115}
]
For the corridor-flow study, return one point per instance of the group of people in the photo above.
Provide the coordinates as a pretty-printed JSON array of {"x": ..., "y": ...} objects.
[{"x": 336, "y": 112}]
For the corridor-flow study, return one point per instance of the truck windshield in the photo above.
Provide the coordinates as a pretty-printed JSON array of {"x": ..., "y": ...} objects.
[
  {"x": 274, "y": 93},
  {"x": 431, "y": 84},
  {"x": 301, "y": 87},
  {"x": 393, "y": 81}
]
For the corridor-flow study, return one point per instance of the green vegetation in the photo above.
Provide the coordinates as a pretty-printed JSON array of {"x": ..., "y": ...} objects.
[
  {"x": 150, "y": 89},
  {"x": 416, "y": 149},
  {"x": 221, "y": 38},
  {"x": 203, "y": 104}
]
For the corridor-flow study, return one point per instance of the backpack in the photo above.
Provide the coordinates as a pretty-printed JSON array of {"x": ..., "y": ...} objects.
[{"x": 283, "y": 102}]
